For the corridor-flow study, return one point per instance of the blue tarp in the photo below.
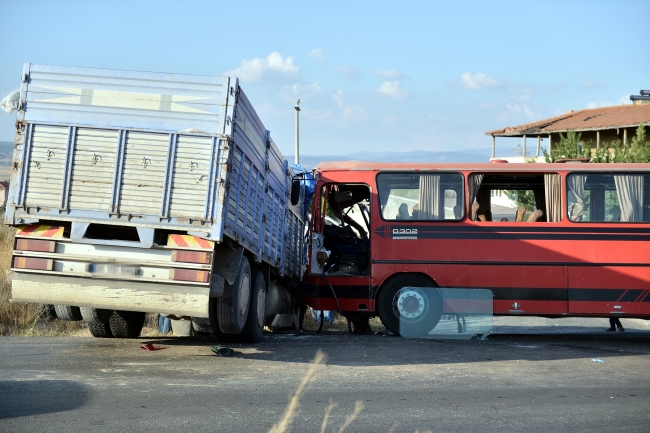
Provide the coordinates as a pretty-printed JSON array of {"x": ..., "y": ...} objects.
[{"x": 307, "y": 177}]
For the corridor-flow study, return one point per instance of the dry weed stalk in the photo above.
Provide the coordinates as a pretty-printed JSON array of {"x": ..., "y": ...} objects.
[
  {"x": 358, "y": 407},
  {"x": 292, "y": 407},
  {"x": 327, "y": 415}
]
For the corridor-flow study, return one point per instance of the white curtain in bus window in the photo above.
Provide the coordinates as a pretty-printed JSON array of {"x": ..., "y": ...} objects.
[
  {"x": 475, "y": 181},
  {"x": 630, "y": 196},
  {"x": 430, "y": 198},
  {"x": 576, "y": 196},
  {"x": 553, "y": 190},
  {"x": 607, "y": 197}
]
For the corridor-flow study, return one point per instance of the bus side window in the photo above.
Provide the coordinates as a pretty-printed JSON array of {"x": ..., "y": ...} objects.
[
  {"x": 610, "y": 197},
  {"x": 502, "y": 197},
  {"x": 421, "y": 197}
]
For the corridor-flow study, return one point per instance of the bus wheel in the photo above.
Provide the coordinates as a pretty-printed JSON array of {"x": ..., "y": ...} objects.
[
  {"x": 126, "y": 324},
  {"x": 66, "y": 312},
  {"x": 254, "y": 327},
  {"x": 401, "y": 298},
  {"x": 232, "y": 306},
  {"x": 97, "y": 321}
]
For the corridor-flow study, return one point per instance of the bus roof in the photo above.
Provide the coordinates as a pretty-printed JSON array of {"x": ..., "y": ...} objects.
[{"x": 461, "y": 166}]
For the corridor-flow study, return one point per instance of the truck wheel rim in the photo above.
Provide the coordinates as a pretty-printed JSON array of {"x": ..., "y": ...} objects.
[
  {"x": 244, "y": 293},
  {"x": 261, "y": 301},
  {"x": 410, "y": 305}
]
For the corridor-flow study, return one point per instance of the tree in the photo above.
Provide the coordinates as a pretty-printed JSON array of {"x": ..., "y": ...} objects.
[
  {"x": 524, "y": 198},
  {"x": 570, "y": 146}
]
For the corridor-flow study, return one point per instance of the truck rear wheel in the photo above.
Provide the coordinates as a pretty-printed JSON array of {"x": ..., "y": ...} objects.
[
  {"x": 126, "y": 324},
  {"x": 254, "y": 326},
  {"x": 425, "y": 306},
  {"x": 232, "y": 306},
  {"x": 66, "y": 312},
  {"x": 97, "y": 321}
]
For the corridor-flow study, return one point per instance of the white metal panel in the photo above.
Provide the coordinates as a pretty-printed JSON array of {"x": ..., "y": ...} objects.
[
  {"x": 144, "y": 173},
  {"x": 46, "y": 165},
  {"x": 190, "y": 180},
  {"x": 93, "y": 168},
  {"x": 125, "y": 99}
]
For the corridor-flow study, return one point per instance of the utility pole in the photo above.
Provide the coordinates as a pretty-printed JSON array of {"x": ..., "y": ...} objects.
[{"x": 297, "y": 155}]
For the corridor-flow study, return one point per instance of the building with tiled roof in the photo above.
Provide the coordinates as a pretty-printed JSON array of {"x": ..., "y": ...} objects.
[{"x": 598, "y": 125}]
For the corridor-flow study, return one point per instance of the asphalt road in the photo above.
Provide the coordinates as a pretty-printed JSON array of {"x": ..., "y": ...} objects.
[{"x": 530, "y": 376}]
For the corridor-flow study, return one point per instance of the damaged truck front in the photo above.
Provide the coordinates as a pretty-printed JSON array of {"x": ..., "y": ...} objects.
[{"x": 136, "y": 192}]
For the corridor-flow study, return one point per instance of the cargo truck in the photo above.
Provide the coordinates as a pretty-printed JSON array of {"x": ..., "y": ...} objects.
[{"x": 135, "y": 192}]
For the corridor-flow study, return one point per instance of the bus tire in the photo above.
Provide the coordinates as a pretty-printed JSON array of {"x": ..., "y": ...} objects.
[
  {"x": 97, "y": 321},
  {"x": 386, "y": 301},
  {"x": 232, "y": 306},
  {"x": 67, "y": 312},
  {"x": 126, "y": 324},
  {"x": 254, "y": 326}
]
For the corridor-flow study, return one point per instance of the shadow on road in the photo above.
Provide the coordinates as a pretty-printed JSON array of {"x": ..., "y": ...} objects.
[
  {"x": 378, "y": 350},
  {"x": 37, "y": 397}
]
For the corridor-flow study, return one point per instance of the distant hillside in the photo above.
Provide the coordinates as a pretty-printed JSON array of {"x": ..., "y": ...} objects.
[
  {"x": 6, "y": 146},
  {"x": 473, "y": 155}
]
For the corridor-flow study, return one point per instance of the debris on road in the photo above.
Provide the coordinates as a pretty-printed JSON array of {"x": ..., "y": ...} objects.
[
  {"x": 222, "y": 351},
  {"x": 597, "y": 360},
  {"x": 151, "y": 347}
]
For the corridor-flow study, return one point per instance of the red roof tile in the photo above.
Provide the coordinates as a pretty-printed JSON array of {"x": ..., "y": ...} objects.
[{"x": 620, "y": 116}]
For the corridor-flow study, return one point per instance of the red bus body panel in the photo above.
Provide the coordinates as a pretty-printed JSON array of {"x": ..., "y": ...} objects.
[{"x": 550, "y": 269}]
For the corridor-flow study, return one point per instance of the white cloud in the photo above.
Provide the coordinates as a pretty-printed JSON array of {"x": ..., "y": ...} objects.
[
  {"x": 517, "y": 112},
  {"x": 392, "y": 90},
  {"x": 477, "y": 81},
  {"x": 355, "y": 113},
  {"x": 389, "y": 120},
  {"x": 272, "y": 68},
  {"x": 338, "y": 98},
  {"x": 349, "y": 72},
  {"x": 598, "y": 104},
  {"x": 318, "y": 54},
  {"x": 313, "y": 89},
  {"x": 389, "y": 74}
]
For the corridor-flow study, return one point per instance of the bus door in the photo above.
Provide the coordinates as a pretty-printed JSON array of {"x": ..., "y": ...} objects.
[{"x": 339, "y": 266}]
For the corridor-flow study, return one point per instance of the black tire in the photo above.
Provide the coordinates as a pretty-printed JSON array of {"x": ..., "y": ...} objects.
[
  {"x": 66, "y": 312},
  {"x": 95, "y": 314},
  {"x": 387, "y": 308},
  {"x": 358, "y": 324},
  {"x": 210, "y": 325},
  {"x": 232, "y": 306},
  {"x": 126, "y": 324},
  {"x": 97, "y": 321},
  {"x": 100, "y": 330},
  {"x": 254, "y": 326}
]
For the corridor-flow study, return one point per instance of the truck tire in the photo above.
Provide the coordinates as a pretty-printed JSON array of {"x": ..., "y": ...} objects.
[
  {"x": 97, "y": 321},
  {"x": 210, "y": 325},
  {"x": 126, "y": 324},
  {"x": 232, "y": 306},
  {"x": 254, "y": 326},
  {"x": 66, "y": 312},
  {"x": 389, "y": 310}
]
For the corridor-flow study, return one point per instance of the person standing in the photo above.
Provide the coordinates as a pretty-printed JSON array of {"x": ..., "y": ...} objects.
[{"x": 614, "y": 323}]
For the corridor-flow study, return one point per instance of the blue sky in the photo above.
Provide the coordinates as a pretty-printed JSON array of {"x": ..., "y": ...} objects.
[{"x": 371, "y": 75}]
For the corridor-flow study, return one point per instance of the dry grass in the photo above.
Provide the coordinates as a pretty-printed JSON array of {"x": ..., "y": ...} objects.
[
  {"x": 294, "y": 403},
  {"x": 17, "y": 318}
]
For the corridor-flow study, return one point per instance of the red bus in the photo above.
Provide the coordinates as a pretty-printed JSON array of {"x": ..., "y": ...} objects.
[{"x": 581, "y": 249}]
